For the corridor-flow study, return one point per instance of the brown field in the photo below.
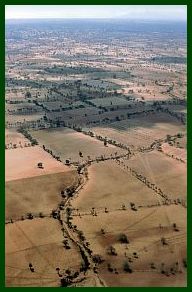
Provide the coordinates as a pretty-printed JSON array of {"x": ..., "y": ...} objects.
[
  {"x": 118, "y": 222},
  {"x": 22, "y": 108},
  {"x": 144, "y": 235},
  {"x": 167, "y": 173},
  {"x": 110, "y": 186},
  {"x": 13, "y": 119},
  {"x": 37, "y": 241},
  {"x": 109, "y": 102},
  {"x": 52, "y": 105},
  {"x": 36, "y": 194},
  {"x": 67, "y": 143},
  {"x": 22, "y": 163},
  {"x": 141, "y": 131},
  {"x": 13, "y": 137},
  {"x": 176, "y": 152}
]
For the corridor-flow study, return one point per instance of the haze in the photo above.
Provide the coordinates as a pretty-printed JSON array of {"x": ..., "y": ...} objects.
[{"x": 143, "y": 12}]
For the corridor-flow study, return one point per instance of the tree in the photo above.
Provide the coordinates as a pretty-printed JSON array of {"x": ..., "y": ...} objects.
[
  {"x": 65, "y": 282},
  {"x": 110, "y": 269},
  {"x": 133, "y": 206},
  {"x": 162, "y": 268},
  {"x": 123, "y": 238},
  {"x": 40, "y": 165},
  {"x": 31, "y": 267},
  {"x": 28, "y": 94},
  {"x": 102, "y": 231},
  {"x": 163, "y": 241},
  {"x": 112, "y": 251},
  {"x": 127, "y": 268},
  {"x": 97, "y": 259},
  {"x": 153, "y": 266},
  {"x": 175, "y": 227},
  {"x": 29, "y": 216},
  {"x": 54, "y": 214},
  {"x": 185, "y": 263},
  {"x": 123, "y": 207}
]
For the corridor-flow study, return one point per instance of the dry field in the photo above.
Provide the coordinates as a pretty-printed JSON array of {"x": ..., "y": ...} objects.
[
  {"x": 118, "y": 222},
  {"x": 36, "y": 194},
  {"x": 22, "y": 108},
  {"x": 15, "y": 94},
  {"x": 144, "y": 233},
  {"x": 175, "y": 152},
  {"x": 167, "y": 173},
  {"x": 110, "y": 186},
  {"x": 67, "y": 143},
  {"x": 76, "y": 116},
  {"x": 13, "y": 137},
  {"x": 105, "y": 84},
  {"x": 176, "y": 108},
  {"x": 13, "y": 119},
  {"x": 109, "y": 102},
  {"x": 152, "y": 74},
  {"x": 141, "y": 131},
  {"x": 55, "y": 105},
  {"x": 22, "y": 163},
  {"x": 39, "y": 242}
]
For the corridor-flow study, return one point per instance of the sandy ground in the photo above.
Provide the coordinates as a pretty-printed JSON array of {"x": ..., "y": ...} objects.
[
  {"x": 22, "y": 163},
  {"x": 36, "y": 194},
  {"x": 37, "y": 241}
]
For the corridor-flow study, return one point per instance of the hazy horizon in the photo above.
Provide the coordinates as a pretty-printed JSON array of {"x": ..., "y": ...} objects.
[{"x": 100, "y": 12}]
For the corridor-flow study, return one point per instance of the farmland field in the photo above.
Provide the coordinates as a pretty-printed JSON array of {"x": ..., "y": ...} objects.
[
  {"x": 14, "y": 119},
  {"x": 67, "y": 143},
  {"x": 144, "y": 235},
  {"x": 96, "y": 147},
  {"x": 177, "y": 152},
  {"x": 38, "y": 242},
  {"x": 166, "y": 174},
  {"x": 13, "y": 137},
  {"x": 141, "y": 131},
  {"x": 43, "y": 193},
  {"x": 107, "y": 182},
  {"x": 23, "y": 162},
  {"x": 109, "y": 102}
]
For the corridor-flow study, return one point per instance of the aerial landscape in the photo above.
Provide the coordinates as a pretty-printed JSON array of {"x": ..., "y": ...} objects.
[{"x": 95, "y": 151}]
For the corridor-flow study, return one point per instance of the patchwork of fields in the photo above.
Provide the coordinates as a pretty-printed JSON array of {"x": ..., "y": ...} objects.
[{"x": 95, "y": 154}]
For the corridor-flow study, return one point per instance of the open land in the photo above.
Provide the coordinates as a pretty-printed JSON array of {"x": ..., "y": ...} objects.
[
  {"x": 67, "y": 143},
  {"x": 22, "y": 163},
  {"x": 39, "y": 241},
  {"x": 96, "y": 154}
]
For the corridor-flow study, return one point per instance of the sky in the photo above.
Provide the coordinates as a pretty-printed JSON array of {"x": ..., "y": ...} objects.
[{"x": 143, "y": 12}]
